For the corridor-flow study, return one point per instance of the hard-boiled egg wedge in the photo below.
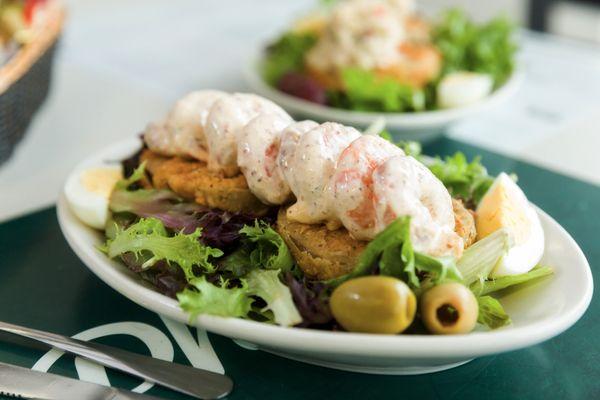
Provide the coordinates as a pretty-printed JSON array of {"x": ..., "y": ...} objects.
[
  {"x": 460, "y": 89},
  {"x": 88, "y": 191},
  {"x": 505, "y": 206}
]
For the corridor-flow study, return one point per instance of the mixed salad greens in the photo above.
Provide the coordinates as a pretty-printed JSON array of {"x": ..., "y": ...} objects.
[
  {"x": 236, "y": 265},
  {"x": 487, "y": 48}
]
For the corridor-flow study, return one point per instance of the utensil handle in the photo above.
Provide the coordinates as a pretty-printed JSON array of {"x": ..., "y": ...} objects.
[{"x": 191, "y": 381}]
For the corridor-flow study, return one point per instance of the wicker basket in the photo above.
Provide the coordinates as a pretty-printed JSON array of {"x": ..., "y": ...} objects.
[{"x": 25, "y": 80}]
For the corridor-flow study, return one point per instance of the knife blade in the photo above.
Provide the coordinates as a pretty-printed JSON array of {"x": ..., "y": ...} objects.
[
  {"x": 195, "y": 382},
  {"x": 25, "y": 383}
]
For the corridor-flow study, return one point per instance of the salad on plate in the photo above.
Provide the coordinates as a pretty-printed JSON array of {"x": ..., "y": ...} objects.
[
  {"x": 236, "y": 210},
  {"x": 383, "y": 56}
]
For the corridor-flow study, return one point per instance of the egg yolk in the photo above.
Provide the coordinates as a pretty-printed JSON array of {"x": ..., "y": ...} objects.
[
  {"x": 502, "y": 208},
  {"x": 100, "y": 181}
]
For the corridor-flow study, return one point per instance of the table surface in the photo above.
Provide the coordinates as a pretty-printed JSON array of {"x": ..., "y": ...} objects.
[{"x": 123, "y": 64}]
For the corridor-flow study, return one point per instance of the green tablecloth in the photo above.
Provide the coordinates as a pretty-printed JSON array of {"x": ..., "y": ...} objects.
[{"x": 45, "y": 286}]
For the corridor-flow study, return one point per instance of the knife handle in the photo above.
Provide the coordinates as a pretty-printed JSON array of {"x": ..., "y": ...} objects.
[{"x": 195, "y": 382}]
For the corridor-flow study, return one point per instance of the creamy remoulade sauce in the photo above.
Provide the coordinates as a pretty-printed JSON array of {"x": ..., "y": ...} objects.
[
  {"x": 336, "y": 175},
  {"x": 311, "y": 166}
]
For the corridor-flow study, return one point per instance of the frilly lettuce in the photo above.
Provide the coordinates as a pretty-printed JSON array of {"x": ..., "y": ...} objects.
[
  {"x": 266, "y": 285},
  {"x": 225, "y": 301},
  {"x": 207, "y": 298},
  {"x": 149, "y": 236},
  {"x": 268, "y": 248},
  {"x": 261, "y": 247}
]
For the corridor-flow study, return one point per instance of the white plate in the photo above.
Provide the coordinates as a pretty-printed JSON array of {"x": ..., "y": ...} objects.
[
  {"x": 539, "y": 311},
  {"x": 422, "y": 126}
]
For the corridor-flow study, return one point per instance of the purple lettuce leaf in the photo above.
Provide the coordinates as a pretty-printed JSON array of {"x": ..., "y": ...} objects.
[
  {"x": 312, "y": 301},
  {"x": 168, "y": 279},
  {"x": 163, "y": 204}
]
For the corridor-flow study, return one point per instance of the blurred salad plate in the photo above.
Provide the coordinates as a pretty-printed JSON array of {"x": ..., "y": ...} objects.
[
  {"x": 422, "y": 126},
  {"x": 357, "y": 60},
  {"x": 213, "y": 219}
]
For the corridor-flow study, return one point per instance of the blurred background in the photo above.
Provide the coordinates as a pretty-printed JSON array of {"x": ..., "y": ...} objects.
[
  {"x": 122, "y": 63},
  {"x": 572, "y": 18}
]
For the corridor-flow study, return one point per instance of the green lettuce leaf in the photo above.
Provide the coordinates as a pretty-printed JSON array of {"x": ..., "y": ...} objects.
[
  {"x": 392, "y": 250},
  {"x": 466, "y": 46},
  {"x": 364, "y": 91},
  {"x": 466, "y": 180},
  {"x": 286, "y": 55},
  {"x": 440, "y": 269},
  {"x": 138, "y": 174},
  {"x": 266, "y": 285},
  {"x": 238, "y": 263},
  {"x": 266, "y": 248},
  {"x": 484, "y": 287},
  {"x": 149, "y": 235},
  {"x": 491, "y": 313},
  {"x": 206, "y": 298}
]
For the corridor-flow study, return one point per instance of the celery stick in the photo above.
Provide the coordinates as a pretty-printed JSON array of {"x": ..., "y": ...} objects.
[
  {"x": 479, "y": 260},
  {"x": 481, "y": 288}
]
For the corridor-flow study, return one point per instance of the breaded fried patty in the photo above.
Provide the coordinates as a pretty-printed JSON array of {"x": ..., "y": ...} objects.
[
  {"x": 325, "y": 254},
  {"x": 192, "y": 180},
  {"x": 320, "y": 253},
  {"x": 464, "y": 223}
]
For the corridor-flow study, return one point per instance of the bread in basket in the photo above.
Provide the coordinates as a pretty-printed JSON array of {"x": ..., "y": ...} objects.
[{"x": 25, "y": 76}]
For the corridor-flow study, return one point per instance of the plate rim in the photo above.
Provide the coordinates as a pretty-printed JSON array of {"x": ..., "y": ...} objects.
[{"x": 310, "y": 340}]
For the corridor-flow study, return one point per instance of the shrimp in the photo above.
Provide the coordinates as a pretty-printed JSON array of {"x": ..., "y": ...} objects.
[
  {"x": 258, "y": 148},
  {"x": 351, "y": 184},
  {"x": 405, "y": 187},
  {"x": 181, "y": 133},
  {"x": 310, "y": 168},
  {"x": 289, "y": 140},
  {"x": 224, "y": 123}
]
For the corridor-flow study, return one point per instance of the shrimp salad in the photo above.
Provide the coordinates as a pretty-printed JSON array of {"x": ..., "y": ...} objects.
[
  {"x": 359, "y": 234},
  {"x": 383, "y": 56}
]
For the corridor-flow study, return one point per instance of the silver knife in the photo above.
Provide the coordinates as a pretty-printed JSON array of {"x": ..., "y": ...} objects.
[
  {"x": 195, "y": 382},
  {"x": 24, "y": 383}
]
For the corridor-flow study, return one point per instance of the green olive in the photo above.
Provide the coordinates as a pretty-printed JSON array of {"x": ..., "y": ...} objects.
[
  {"x": 449, "y": 308},
  {"x": 373, "y": 304}
]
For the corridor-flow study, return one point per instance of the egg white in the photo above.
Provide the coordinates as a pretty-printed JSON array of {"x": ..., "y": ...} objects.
[
  {"x": 525, "y": 256},
  {"x": 460, "y": 89}
]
